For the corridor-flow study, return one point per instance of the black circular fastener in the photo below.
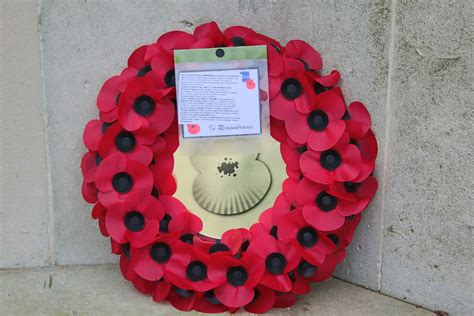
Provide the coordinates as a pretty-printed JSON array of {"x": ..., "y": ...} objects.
[
  {"x": 307, "y": 237},
  {"x": 155, "y": 192},
  {"x": 170, "y": 78},
  {"x": 134, "y": 221},
  {"x": 183, "y": 293},
  {"x": 220, "y": 53},
  {"x": 125, "y": 141},
  {"x": 160, "y": 252},
  {"x": 334, "y": 238},
  {"x": 218, "y": 247},
  {"x": 196, "y": 271},
  {"x": 351, "y": 186},
  {"x": 291, "y": 88},
  {"x": 330, "y": 159},
  {"x": 122, "y": 182},
  {"x": 164, "y": 223},
  {"x": 318, "y": 120},
  {"x": 326, "y": 202},
  {"x": 142, "y": 72},
  {"x": 237, "y": 276},
  {"x": 144, "y": 105},
  {"x": 237, "y": 41},
  {"x": 211, "y": 297},
  {"x": 306, "y": 269},
  {"x": 275, "y": 263},
  {"x": 187, "y": 238}
]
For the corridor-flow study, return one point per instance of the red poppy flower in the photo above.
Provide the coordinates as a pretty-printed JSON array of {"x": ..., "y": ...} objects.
[
  {"x": 194, "y": 272},
  {"x": 118, "y": 177},
  {"x": 135, "y": 145},
  {"x": 241, "y": 276},
  {"x": 98, "y": 212},
  {"x": 142, "y": 285},
  {"x": 263, "y": 300},
  {"x": 301, "y": 50},
  {"x": 295, "y": 92},
  {"x": 109, "y": 94},
  {"x": 176, "y": 40},
  {"x": 93, "y": 134},
  {"x": 359, "y": 121},
  {"x": 125, "y": 259},
  {"x": 183, "y": 300},
  {"x": 177, "y": 218},
  {"x": 142, "y": 103},
  {"x": 320, "y": 127},
  {"x": 161, "y": 290},
  {"x": 167, "y": 142},
  {"x": 360, "y": 192},
  {"x": 89, "y": 163},
  {"x": 89, "y": 192},
  {"x": 238, "y": 35},
  {"x": 368, "y": 150},
  {"x": 208, "y": 303},
  {"x": 277, "y": 130},
  {"x": 231, "y": 242},
  {"x": 342, "y": 236},
  {"x": 291, "y": 155},
  {"x": 325, "y": 270},
  {"x": 162, "y": 64},
  {"x": 321, "y": 83},
  {"x": 211, "y": 33},
  {"x": 279, "y": 260},
  {"x": 135, "y": 220},
  {"x": 284, "y": 300},
  {"x": 323, "y": 210},
  {"x": 150, "y": 261},
  {"x": 312, "y": 245},
  {"x": 341, "y": 163}
]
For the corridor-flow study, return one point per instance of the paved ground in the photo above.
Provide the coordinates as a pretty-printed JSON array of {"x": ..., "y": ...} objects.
[{"x": 101, "y": 290}]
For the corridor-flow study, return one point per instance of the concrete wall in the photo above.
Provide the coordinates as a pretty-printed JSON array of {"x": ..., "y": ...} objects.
[{"x": 409, "y": 62}]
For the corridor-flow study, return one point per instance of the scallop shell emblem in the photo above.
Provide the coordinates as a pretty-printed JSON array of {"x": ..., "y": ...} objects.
[{"x": 229, "y": 185}]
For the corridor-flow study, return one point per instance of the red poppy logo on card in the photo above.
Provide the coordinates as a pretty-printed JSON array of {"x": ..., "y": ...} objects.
[
  {"x": 194, "y": 129},
  {"x": 250, "y": 84}
]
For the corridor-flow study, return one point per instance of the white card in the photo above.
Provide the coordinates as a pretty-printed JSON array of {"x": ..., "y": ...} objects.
[{"x": 219, "y": 103}]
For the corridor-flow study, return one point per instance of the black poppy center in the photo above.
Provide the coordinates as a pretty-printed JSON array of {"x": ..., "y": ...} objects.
[
  {"x": 330, "y": 159},
  {"x": 218, "y": 247},
  {"x": 318, "y": 120},
  {"x": 142, "y": 72},
  {"x": 237, "y": 276},
  {"x": 274, "y": 232},
  {"x": 187, "y": 238},
  {"x": 144, "y": 105},
  {"x": 134, "y": 221},
  {"x": 184, "y": 293},
  {"x": 160, "y": 252},
  {"x": 237, "y": 41},
  {"x": 351, "y": 186},
  {"x": 122, "y": 182},
  {"x": 307, "y": 237},
  {"x": 170, "y": 79},
  {"x": 306, "y": 269},
  {"x": 211, "y": 297},
  {"x": 291, "y": 88},
  {"x": 334, "y": 239},
  {"x": 125, "y": 141},
  {"x": 164, "y": 223},
  {"x": 275, "y": 263},
  {"x": 326, "y": 202},
  {"x": 196, "y": 271}
]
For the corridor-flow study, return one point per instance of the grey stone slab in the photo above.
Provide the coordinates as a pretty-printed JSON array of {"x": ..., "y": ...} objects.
[
  {"x": 86, "y": 42},
  {"x": 101, "y": 290},
  {"x": 428, "y": 253},
  {"x": 23, "y": 172}
]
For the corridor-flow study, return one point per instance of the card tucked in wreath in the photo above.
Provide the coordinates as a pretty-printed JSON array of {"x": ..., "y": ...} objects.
[{"x": 304, "y": 207}]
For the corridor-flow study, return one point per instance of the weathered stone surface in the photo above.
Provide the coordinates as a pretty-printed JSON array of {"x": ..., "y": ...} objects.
[
  {"x": 23, "y": 172},
  {"x": 101, "y": 290},
  {"x": 87, "y": 42},
  {"x": 427, "y": 253}
]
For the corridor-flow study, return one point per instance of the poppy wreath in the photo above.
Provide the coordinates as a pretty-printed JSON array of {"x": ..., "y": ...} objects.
[{"x": 328, "y": 148}]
